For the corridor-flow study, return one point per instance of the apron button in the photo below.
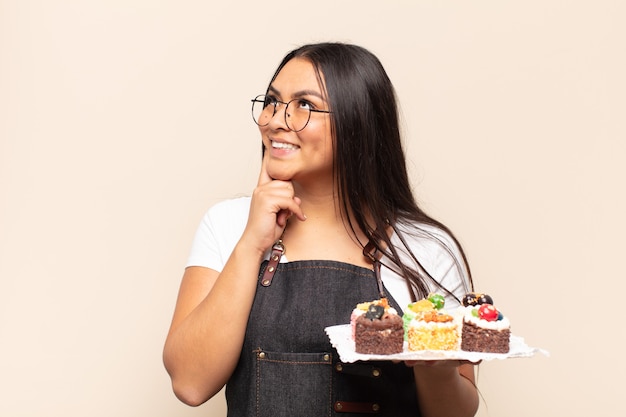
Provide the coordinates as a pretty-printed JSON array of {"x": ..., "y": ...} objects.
[
  {"x": 261, "y": 355},
  {"x": 326, "y": 357},
  {"x": 375, "y": 372},
  {"x": 375, "y": 407},
  {"x": 338, "y": 406},
  {"x": 339, "y": 367}
]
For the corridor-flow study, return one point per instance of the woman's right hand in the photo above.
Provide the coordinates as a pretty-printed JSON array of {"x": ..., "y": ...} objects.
[{"x": 273, "y": 202}]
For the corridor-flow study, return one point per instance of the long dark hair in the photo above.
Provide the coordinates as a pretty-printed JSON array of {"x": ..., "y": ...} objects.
[{"x": 370, "y": 170}]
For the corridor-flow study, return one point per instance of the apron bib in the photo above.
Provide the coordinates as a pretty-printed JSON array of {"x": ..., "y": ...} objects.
[{"x": 287, "y": 366}]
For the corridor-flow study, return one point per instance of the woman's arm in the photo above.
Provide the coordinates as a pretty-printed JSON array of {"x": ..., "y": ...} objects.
[
  {"x": 446, "y": 389},
  {"x": 208, "y": 327},
  {"x": 209, "y": 324}
]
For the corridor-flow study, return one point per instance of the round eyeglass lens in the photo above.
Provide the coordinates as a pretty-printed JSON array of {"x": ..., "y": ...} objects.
[
  {"x": 262, "y": 110},
  {"x": 297, "y": 115}
]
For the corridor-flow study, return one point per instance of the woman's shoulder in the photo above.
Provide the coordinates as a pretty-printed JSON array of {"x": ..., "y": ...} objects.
[
  {"x": 231, "y": 208},
  {"x": 228, "y": 217},
  {"x": 437, "y": 252},
  {"x": 427, "y": 236},
  {"x": 218, "y": 232}
]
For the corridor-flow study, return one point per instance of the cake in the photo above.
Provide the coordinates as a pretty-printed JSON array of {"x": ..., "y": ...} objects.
[
  {"x": 362, "y": 308},
  {"x": 485, "y": 328},
  {"x": 378, "y": 329},
  {"x": 429, "y": 327}
]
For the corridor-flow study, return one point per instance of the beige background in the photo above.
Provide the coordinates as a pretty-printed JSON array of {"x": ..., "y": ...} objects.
[{"x": 122, "y": 121}]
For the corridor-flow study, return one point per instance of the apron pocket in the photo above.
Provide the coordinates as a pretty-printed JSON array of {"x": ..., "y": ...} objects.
[{"x": 285, "y": 383}]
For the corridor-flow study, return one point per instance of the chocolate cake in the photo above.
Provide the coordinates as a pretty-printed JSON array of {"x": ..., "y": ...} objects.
[
  {"x": 479, "y": 339},
  {"x": 378, "y": 332},
  {"x": 485, "y": 328}
]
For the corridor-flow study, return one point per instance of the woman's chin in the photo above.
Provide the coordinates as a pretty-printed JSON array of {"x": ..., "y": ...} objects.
[{"x": 280, "y": 175}]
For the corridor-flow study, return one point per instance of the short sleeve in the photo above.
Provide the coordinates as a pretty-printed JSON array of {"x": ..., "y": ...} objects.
[{"x": 218, "y": 233}]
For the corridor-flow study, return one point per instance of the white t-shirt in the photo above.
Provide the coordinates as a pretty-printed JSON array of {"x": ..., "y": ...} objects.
[{"x": 223, "y": 224}]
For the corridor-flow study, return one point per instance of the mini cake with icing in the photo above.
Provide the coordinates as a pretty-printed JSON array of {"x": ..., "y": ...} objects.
[
  {"x": 429, "y": 327},
  {"x": 485, "y": 328},
  {"x": 378, "y": 329},
  {"x": 362, "y": 308}
]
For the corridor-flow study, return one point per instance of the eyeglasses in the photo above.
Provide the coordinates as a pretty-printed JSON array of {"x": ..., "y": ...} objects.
[{"x": 297, "y": 111}]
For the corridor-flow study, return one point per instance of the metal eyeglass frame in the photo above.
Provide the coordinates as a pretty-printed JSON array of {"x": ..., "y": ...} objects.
[{"x": 275, "y": 103}]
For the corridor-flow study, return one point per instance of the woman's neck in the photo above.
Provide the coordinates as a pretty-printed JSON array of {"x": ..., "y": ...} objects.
[{"x": 325, "y": 234}]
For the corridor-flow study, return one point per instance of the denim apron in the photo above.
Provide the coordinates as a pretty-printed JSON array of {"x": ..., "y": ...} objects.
[{"x": 287, "y": 366}]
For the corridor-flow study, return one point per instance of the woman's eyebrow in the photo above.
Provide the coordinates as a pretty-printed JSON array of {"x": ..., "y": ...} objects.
[
  {"x": 313, "y": 93},
  {"x": 271, "y": 89},
  {"x": 300, "y": 93}
]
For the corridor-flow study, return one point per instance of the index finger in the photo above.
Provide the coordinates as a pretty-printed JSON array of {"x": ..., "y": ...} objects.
[{"x": 264, "y": 177}]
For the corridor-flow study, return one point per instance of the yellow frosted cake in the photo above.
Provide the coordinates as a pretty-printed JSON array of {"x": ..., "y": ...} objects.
[{"x": 429, "y": 327}]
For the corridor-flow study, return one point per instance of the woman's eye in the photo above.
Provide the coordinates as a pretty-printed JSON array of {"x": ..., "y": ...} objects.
[
  {"x": 303, "y": 104},
  {"x": 270, "y": 101}
]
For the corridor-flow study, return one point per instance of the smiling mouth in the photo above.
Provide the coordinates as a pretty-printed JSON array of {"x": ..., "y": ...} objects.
[{"x": 283, "y": 145}]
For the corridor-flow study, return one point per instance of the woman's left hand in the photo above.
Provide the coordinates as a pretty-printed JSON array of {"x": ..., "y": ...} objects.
[{"x": 439, "y": 363}]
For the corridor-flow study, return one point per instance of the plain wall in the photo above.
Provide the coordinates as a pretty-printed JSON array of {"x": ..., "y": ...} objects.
[{"x": 121, "y": 122}]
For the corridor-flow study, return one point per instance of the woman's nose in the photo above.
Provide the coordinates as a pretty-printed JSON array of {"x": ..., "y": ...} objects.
[{"x": 279, "y": 119}]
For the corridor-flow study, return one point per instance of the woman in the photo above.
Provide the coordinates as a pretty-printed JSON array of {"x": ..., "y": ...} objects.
[{"x": 333, "y": 180}]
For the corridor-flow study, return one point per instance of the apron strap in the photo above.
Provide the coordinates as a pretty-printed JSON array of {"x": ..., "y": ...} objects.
[{"x": 277, "y": 252}]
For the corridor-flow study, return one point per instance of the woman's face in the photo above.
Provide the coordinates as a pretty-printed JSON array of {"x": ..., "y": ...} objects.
[{"x": 306, "y": 155}]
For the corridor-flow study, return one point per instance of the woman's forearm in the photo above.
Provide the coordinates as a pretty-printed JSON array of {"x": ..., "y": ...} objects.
[
  {"x": 208, "y": 329},
  {"x": 444, "y": 391}
]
